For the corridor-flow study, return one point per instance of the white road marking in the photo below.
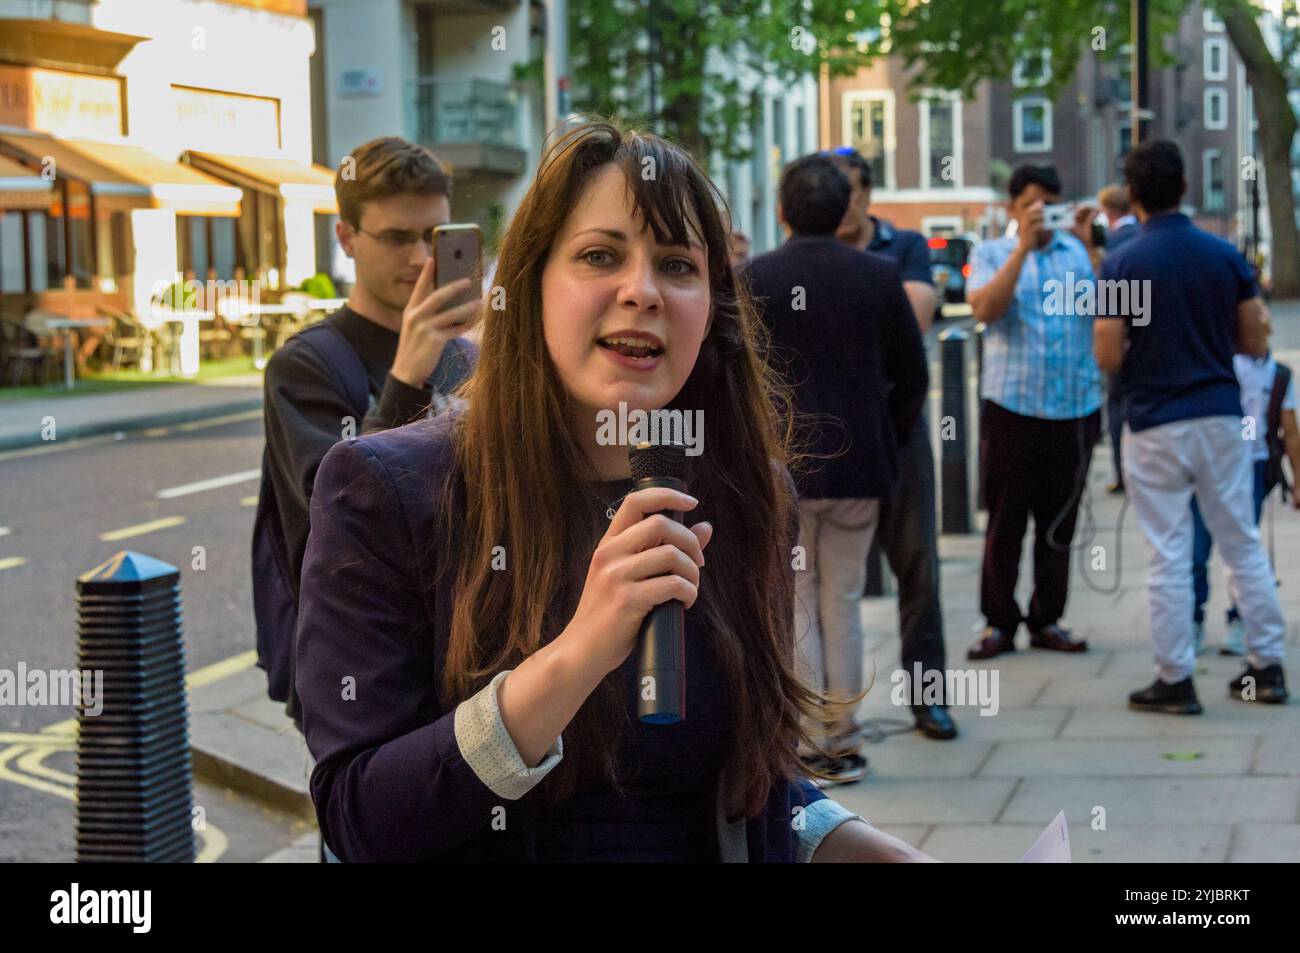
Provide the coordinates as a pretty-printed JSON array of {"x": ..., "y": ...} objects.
[{"x": 216, "y": 482}]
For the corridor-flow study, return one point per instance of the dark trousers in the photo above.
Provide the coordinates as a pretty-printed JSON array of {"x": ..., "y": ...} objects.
[
  {"x": 1115, "y": 423},
  {"x": 1030, "y": 466},
  {"x": 906, "y": 535}
]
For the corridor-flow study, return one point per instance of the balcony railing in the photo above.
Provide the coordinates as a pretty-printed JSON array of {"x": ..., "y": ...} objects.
[{"x": 463, "y": 111}]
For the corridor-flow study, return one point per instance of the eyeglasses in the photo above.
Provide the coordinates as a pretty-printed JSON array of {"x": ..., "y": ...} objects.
[{"x": 396, "y": 239}]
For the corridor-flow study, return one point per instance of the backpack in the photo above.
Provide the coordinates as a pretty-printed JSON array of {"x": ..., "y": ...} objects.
[
  {"x": 275, "y": 605},
  {"x": 1273, "y": 473}
]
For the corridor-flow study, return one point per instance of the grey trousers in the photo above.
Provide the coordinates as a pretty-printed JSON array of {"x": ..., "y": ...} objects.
[{"x": 834, "y": 536}]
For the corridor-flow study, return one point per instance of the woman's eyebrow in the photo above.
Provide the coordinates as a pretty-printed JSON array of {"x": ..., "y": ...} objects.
[
  {"x": 692, "y": 243},
  {"x": 610, "y": 232}
]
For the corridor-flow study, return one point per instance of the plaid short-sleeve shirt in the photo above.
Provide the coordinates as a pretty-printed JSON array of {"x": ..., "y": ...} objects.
[{"x": 1038, "y": 357}]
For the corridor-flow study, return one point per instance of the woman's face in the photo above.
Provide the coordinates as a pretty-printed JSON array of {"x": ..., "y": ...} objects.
[{"x": 623, "y": 316}]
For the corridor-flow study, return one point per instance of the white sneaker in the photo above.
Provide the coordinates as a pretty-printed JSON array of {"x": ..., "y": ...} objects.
[
  {"x": 1235, "y": 641},
  {"x": 1198, "y": 638}
]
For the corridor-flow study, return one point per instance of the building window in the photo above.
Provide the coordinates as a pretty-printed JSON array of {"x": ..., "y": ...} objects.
[
  {"x": 1031, "y": 122},
  {"x": 869, "y": 120},
  {"x": 800, "y": 140},
  {"x": 1212, "y": 181},
  {"x": 1216, "y": 58},
  {"x": 1216, "y": 108},
  {"x": 13, "y": 257},
  {"x": 1211, "y": 22},
  {"x": 940, "y": 140},
  {"x": 1032, "y": 69}
]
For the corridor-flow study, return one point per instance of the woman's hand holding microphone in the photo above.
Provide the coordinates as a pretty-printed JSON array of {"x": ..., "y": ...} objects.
[{"x": 643, "y": 559}]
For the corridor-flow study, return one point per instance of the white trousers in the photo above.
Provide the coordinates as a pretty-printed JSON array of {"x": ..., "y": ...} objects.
[
  {"x": 1163, "y": 467},
  {"x": 835, "y": 536}
]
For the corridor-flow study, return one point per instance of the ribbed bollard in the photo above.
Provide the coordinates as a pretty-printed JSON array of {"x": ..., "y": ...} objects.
[
  {"x": 953, "y": 429},
  {"x": 134, "y": 780}
]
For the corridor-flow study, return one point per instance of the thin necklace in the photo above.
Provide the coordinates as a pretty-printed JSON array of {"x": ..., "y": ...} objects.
[{"x": 610, "y": 508}]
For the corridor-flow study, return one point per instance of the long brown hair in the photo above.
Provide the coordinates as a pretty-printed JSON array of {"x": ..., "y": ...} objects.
[{"x": 520, "y": 473}]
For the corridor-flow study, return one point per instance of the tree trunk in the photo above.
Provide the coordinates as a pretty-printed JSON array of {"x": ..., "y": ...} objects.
[{"x": 1277, "y": 130}]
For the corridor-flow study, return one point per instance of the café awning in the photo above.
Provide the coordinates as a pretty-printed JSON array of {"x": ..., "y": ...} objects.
[
  {"x": 22, "y": 188},
  {"x": 128, "y": 175},
  {"x": 286, "y": 178}
]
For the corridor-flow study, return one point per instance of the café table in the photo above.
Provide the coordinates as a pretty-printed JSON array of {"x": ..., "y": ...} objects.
[{"x": 67, "y": 326}]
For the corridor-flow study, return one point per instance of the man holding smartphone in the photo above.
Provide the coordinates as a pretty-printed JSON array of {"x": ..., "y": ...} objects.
[
  {"x": 384, "y": 359},
  {"x": 1040, "y": 412}
]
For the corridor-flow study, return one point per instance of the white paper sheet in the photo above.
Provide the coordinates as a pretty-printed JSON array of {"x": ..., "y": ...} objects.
[{"x": 1052, "y": 846}]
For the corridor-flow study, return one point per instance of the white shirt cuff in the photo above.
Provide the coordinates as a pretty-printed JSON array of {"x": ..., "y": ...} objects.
[
  {"x": 488, "y": 749},
  {"x": 817, "y": 820}
]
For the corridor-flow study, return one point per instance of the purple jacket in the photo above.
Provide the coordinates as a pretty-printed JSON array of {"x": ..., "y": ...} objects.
[{"x": 399, "y": 777}]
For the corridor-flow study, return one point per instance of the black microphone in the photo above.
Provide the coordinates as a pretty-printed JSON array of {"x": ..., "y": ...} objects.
[{"x": 661, "y": 650}]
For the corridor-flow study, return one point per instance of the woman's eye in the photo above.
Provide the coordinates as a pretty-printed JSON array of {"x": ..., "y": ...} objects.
[
  {"x": 680, "y": 266},
  {"x": 597, "y": 256}
]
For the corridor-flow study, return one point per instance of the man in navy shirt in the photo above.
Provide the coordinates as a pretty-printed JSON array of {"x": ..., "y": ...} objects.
[
  {"x": 1184, "y": 431},
  {"x": 906, "y": 530}
]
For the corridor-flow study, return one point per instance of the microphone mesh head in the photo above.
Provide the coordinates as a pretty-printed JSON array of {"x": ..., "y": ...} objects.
[{"x": 660, "y": 460}]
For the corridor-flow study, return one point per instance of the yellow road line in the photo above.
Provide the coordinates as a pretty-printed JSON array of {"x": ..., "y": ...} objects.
[
  {"x": 31, "y": 763},
  {"x": 141, "y": 528},
  {"x": 12, "y": 562},
  {"x": 218, "y": 421},
  {"x": 54, "y": 446},
  {"x": 6, "y": 775},
  {"x": 219, "y": 670},
  {"x": 248, "y": 500},
  {"x": 41, "y": 740}
]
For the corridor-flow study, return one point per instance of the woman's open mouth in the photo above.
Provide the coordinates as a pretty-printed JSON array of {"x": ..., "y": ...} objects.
[{"x": 636, "y": 351}]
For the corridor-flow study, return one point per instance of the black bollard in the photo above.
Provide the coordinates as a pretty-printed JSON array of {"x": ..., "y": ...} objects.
[
  {"x": 953, "y": 429},
  {"x": 134, "y": 779}
]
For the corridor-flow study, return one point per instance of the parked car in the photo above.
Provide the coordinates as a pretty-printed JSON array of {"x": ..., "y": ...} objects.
[{"x": 949, "y": 269}]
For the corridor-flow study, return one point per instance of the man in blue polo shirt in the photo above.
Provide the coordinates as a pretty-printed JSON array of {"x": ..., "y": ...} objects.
[
  {"x": 1040, "y": 416},
  {"x": 1184, "y": 431},
  {"x": 906, "y": 532}
]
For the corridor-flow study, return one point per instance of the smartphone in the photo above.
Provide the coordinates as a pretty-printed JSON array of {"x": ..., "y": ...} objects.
[
  {"x": 458, "y": 253},
  {"x": 1057, "y": 216}
]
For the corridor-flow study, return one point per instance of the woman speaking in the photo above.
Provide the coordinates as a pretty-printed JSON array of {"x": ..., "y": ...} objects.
[{"x": 474, "y": 584}]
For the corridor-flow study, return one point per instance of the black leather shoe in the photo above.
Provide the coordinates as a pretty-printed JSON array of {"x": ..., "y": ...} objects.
[
  {"x": 992, "y": 641},
  {"x": 1269, "y": 685},
  {"x": 1176, "y": 699},
  {"x": 934, "y": 722},
  {"x": 1056, "y": 639}
]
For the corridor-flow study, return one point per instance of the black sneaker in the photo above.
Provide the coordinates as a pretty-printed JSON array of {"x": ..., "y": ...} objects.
[
  {"x": 1268, "y": 685},
  {"x": 828, "y": 772},
  {"x": 1176, "y": 699}
]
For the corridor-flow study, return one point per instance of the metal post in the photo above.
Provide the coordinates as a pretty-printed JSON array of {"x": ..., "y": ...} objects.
[
  {"x": 1140, "y": 114},
  {"x": 955, "y": 509},
  {"x": 134, "y": 778}
]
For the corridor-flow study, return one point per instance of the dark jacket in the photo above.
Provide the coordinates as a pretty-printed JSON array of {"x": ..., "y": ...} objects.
[
  {"x": 307, "y": 409},
  {"x": 390, "y": 783},
  {"x": 843, "y": 334}
]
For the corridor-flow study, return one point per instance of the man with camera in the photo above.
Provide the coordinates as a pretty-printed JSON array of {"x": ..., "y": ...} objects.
[{"x": 1040, "y": 412}]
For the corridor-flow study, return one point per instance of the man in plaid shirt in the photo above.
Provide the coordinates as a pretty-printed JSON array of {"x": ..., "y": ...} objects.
[{"x": 1040, "y": 409}]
